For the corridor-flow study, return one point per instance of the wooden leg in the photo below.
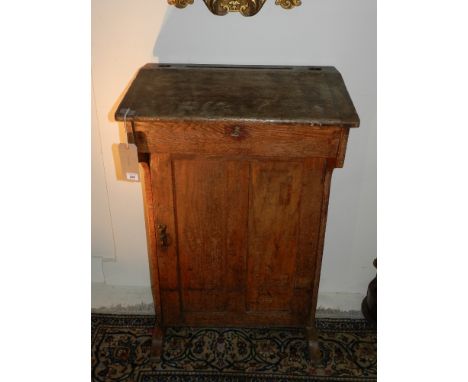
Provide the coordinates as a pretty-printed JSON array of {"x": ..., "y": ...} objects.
[
  {"x": 157, "y": 343},
  {"x": 315, "y": 355}
]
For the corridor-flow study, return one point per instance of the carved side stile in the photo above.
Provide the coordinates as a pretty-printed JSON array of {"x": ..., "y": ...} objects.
[{"x": 151, "y": 238}]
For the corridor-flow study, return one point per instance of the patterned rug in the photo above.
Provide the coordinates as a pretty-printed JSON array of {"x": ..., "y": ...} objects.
[{"x": 121, "y": 347}]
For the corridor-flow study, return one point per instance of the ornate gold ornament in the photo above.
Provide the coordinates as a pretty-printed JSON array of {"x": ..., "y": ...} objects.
[
  {"x": 288, "y": 4},
  {"x": 180, "y": 3},
  {"x": 245, "y": 7}
]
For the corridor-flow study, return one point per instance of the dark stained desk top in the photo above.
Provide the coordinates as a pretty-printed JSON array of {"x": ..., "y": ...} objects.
[{"x": 274, "y": 94}]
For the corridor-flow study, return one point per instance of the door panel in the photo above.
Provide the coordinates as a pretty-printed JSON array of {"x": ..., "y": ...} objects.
[
  {"x": 275, "y": 195},
  {"x": 211, "y": 199}
]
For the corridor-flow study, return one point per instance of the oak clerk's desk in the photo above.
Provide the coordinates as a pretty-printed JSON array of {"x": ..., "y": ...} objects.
[{"x": 237, "y": 164}]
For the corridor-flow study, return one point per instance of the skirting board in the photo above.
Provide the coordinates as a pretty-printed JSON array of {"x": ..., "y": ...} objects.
[{"x": 118, "y": 299}]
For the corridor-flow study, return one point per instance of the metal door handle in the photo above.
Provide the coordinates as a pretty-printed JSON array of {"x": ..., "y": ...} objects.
[{"x": 162, "y": 234}]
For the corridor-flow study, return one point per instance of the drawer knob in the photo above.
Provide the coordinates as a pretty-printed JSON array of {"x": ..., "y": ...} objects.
[
  {"x": 236, "y": 131},
  {"x": 163, "y": 241}
]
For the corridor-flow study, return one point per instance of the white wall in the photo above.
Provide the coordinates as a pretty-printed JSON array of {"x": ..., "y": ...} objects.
[{"x": 127, "y": 34}]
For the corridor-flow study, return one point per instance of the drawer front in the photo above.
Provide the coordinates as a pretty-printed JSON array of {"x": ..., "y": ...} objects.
[{"x": 227, "y": 138}]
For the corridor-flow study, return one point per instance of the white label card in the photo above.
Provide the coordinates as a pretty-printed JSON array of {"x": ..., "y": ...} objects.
[
  {"x": 127, "y": 162},
  {"x": 132, "y": 176}
]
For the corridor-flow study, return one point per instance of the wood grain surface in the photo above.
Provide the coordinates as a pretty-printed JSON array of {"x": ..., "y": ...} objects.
[
  {"x": 244, "y": 238},
  {"x": 262, "y": 139}
]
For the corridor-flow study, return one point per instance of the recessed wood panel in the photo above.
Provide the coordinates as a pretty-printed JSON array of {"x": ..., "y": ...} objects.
[
  {"x": 211, "y": 199},
  {"x": 275, "y": 192}
]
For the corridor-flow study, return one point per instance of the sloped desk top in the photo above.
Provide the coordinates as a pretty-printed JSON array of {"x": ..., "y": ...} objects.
[{"x": 275, "y": 94}]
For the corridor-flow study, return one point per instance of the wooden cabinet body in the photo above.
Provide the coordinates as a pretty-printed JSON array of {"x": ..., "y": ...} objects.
[{"x": 237, "y": 165}]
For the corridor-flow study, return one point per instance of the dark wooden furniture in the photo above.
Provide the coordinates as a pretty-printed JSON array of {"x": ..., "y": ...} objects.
[
  {"x": 237, "y": 164},
  {"x": 369, "y": 303}
]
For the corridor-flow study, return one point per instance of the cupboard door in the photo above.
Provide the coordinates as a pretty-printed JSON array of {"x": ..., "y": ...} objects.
[{"x": 242, "y": 235}]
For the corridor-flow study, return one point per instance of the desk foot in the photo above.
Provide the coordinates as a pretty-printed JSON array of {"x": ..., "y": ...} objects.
[
  {"x": 315, "y": 356},
  {"x": 157, "y": 344}
]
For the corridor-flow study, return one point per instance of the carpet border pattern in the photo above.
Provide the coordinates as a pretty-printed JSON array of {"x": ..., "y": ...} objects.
[{"x": 143, "y": 322}]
